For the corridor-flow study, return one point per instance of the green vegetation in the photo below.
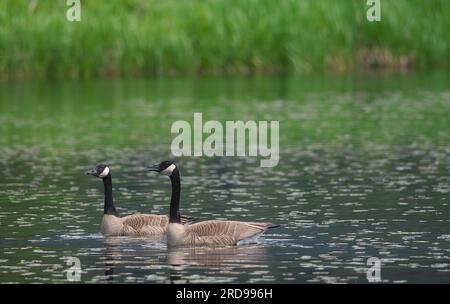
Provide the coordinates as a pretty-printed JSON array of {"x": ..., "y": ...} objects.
[{"x": 140, "y": 37}]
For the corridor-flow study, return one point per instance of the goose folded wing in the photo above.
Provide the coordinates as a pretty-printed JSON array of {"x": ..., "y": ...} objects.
[{"x": 145, "y": 224}]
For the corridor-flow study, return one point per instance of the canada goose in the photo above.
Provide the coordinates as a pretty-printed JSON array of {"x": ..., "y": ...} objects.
[
  {"x": 132, "y": 225},
  {"x": 212, "y": 232}
]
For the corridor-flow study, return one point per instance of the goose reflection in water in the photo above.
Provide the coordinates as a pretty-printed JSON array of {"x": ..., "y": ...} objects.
[
  {"x": 125, "y": 252},
  {"x": 223, "y": 260},
  {"x": 121, "y": 252}
]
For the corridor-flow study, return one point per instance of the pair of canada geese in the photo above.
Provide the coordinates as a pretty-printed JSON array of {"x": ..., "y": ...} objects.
[{"x": 179, "y": 230}]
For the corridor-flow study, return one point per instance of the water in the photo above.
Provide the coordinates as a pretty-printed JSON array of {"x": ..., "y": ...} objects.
[{"x": 363, "y": 172}]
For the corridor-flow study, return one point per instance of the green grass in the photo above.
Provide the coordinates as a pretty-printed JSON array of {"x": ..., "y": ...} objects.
[{"x": 137, "y": 37}]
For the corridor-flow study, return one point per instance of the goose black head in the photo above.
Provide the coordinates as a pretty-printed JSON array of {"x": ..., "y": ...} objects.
[
  {"x": 100, "y": 171},
  {"x": 166, "y": 167}
]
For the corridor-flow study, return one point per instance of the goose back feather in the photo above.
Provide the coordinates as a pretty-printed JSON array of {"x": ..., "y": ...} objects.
[{"x": 138, "y": 224}]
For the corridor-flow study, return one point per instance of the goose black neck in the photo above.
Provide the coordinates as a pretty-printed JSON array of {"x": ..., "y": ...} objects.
[
  {"x": 175, "y": 199},
  {"x": 109, "y": 203}
]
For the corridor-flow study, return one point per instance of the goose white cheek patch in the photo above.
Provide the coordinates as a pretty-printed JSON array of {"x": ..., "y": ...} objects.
[
  {"x": 168, "y": 171},
  {"x": 105, "y": 172}
]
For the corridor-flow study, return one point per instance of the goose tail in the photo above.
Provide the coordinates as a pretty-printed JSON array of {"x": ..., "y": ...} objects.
[{"x": 271, "y": 225}]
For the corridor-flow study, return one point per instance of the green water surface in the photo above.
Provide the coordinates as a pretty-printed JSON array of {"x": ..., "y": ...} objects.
[{"x": 363, "y": 172}]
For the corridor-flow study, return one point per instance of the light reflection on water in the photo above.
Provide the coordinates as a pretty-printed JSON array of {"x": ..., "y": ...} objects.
[
  {"x": 336, "y": 209},
  {"x": 363, "y": 172}
]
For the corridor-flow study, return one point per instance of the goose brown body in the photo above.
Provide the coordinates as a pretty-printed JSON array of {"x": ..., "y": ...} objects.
[
  {"x": 136, "y": 225},
  {"x": 214, "y": 232}
]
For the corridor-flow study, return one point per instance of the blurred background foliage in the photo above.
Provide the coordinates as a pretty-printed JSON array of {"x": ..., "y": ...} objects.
[{"x": 141, "y": 37}]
